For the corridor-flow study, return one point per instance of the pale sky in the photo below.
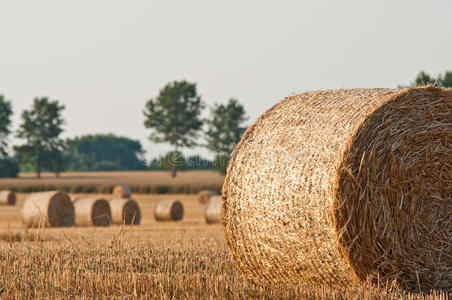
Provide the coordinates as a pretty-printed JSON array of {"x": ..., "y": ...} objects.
[{"x": 104, "y": 59}]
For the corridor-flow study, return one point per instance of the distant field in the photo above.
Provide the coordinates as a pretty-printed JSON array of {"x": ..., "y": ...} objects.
[{"x": 156, "y": 182}]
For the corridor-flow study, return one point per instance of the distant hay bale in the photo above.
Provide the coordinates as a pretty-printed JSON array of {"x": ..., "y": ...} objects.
[
  {"x": 125, "y": 211},
  {"x": 7, "y": 198},
  {"x": 91, "y": 212},
  {"x": 342, "y": 186},
  {"x": 213, "y": 210},
  {"x": 169, "y": 210},
  {"x": 205, "y": 195},
  {"x": 49, "y": 209},
  {"x": 121, "y": 191}
]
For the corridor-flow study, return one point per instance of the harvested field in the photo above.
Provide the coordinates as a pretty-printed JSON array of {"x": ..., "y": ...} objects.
[
  {"x": 185, "y": 259},
  {"x": 140, "y": 182}
]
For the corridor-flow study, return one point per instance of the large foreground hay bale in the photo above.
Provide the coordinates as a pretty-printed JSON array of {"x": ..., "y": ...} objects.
[
  {"x": 7, "y": 198},
  {"x": 91, "y": 212},
  {"x": 125, "y": 211},
  {"x": 213, "y": 210},
  {"x": 49, "y": 209},
  {"x": 336, "y": 187},
  {"x": 205, "y": 195},
  {"x": 169, "y": 210},
  {"x": 121, "y": 192}
]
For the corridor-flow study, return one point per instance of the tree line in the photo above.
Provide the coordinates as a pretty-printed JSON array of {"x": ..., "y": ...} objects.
[{"x": 173, "y": 117}]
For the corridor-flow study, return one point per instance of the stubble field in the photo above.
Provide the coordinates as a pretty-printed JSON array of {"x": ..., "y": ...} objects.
[{"x": 155, "y": 260}]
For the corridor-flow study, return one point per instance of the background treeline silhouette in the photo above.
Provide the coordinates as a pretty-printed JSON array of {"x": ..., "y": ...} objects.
[{"x": 173, "y": 117}]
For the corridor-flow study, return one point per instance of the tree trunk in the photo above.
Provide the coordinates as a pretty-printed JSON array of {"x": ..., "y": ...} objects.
[
  {"x": 38, "y": 167},
  {"x": 174, "y": 172}
]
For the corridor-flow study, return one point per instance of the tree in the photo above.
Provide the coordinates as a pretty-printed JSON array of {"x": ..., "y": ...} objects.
[
  {"x": 41, "y": 128},
  {"x": 5, "y": 123},
  {"x": 103, "y": 152},
  {"x": 446, "y": 80},
  {"x": 8, "y": 166},
  {"x": 443, "y": 81},
  {"x": 224, "y": 130},
  {"x": 423, "y": 79},
  {"x": 174, "y": 116}
]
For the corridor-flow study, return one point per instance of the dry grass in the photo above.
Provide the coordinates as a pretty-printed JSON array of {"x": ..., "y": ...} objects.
[
  {"x": 155, "y": 182},
  {"x": 186, "y": 259}
]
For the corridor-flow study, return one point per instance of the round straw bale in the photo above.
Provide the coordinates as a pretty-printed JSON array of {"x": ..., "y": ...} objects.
[
  {"x": 91, "y": 212},
  {"x": 341, "y": 187},
  {"x": 49, "y": 209},
  {"x": 213, "y": 210},
  {"x": 7, "y": 198},
  {"x": 169, "y": 210},
  {"x": 125, "y": 211},
  {"x": 121, "y": 191},
  {"x": 205, "y": 195}
]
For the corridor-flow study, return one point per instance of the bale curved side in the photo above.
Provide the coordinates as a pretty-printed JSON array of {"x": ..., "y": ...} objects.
[
  {"x": 213, "y": 210},
  {"x": 121, "y": 192},
  {"x": 336, "y": 187},
  {"x": 125, "y": 211},
  {"x": 49, "y": 209},
  {"x": 168, "y": 210},
  {"x": 92, "y": 212},
  {"x": 7, "y": 198},
  {"x": 205, "y": 195}
]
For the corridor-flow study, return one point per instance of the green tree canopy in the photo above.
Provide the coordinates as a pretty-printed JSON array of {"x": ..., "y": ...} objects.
[
  {"x": 103, "y": 152},
  {"x": 174, "y": 116},
  {"x": 443, "y": 81},
  {"x": 8, "y": 166},
  {"x": 225, "y": 127},
  {"x": 224, "y": 130},
  {"x": 5, "y": 123},
  {"x": 41, "y": 128}
]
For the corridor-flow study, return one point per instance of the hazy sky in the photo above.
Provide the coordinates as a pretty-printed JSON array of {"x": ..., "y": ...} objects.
[{"x": 105, "y": 59}]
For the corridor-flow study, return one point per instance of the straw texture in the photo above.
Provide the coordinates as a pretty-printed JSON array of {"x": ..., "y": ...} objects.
[
  {"x": 91, "y": 212},
  {"x": 168, "y": 210},
  {"x": 7, "y": 198},
  {"x": 121, "y": 192},
  {"x": 205, "y": 195},
  {"x": 213, "y": 210},
  {"x": 343, "y": 186},
  {"x": 49, "y": 209},
  {"x": 125, "y": 211}
]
